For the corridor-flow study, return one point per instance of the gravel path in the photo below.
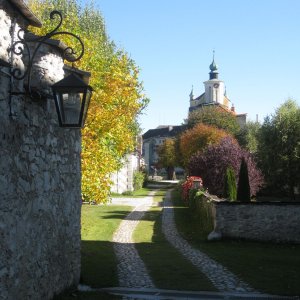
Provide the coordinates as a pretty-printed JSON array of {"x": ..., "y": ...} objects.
[
  {"x": 131, "y": 269},
  {"x": 221, "y": 278}
]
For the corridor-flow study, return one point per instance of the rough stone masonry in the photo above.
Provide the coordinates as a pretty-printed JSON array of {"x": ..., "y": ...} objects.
[{"x": 40, "y": 196}]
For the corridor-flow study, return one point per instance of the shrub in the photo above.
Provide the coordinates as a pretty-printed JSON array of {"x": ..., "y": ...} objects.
[
  {"x": 243, "y": 193},
  {"x": 138, "y": 180},
  {"x": 202, "y": 212},
  {"x": 188, "y": 185},
  {"x": 127, "y": 193},
  {"x": 211, "y": 165},
  {"x": 192, "y": 195},
  {"x": 230, "y": 185}
]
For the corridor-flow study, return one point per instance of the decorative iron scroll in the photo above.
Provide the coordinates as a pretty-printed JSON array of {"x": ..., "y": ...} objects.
[{"x": 21, "y": 47}]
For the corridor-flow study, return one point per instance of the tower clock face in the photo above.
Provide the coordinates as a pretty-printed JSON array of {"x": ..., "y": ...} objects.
[{"x": 216, "y": 85}]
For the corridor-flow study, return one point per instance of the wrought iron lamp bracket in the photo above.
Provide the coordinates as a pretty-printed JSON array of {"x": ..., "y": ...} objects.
[{"x": 22, "y": 45}]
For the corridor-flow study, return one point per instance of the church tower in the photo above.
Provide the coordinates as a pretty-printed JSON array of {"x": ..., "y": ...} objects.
[
  {"x": 215, "y": 92},
  {"x": 214, "y": 87}
]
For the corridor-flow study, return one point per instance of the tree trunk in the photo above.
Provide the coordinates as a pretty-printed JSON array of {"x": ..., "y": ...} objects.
[{"x": 170, "y": 173}]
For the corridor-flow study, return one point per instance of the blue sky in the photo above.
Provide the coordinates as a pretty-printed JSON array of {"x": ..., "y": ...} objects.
[{"x": 257, "y": 48}]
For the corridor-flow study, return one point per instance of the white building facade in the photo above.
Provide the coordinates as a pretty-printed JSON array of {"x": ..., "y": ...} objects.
[{"x": 123, "y": 179}]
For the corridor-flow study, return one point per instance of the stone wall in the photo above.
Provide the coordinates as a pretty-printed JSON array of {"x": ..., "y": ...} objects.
[
  {"x": 267, "y": 221},
  {"x": 39, "y": 184},
  {"x": 257, "y": 221}
]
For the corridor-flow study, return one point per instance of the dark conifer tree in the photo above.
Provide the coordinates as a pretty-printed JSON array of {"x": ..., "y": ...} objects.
[
  {"x": 230, "y": 184},
  {"x": 243, "y": 192}
]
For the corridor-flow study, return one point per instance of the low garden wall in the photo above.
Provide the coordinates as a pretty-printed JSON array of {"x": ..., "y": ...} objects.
[
  {"x": 260, "y": 221},
  {"x": 267, "y": 221}
]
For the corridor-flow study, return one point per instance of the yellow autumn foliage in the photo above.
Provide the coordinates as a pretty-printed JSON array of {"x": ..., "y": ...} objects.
[{"x": 118, "y": 98}]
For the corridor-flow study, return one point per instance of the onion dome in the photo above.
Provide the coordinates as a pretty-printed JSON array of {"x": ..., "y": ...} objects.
[
  {"x": 213, "y": 66},
  {"x": 213, "y": 74}
]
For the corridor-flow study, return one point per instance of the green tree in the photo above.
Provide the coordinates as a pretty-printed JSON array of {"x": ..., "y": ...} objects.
[
  {"x": 243, "y": 192},
  {"x": 117, "y": 99},
  {"x": 279, "y": 148},
  {"x": 215, "y": 116},
  {"x": 230, "y": 184},
  {"x": 167, "y": 157},
  {"x": 248, "y": 136}
]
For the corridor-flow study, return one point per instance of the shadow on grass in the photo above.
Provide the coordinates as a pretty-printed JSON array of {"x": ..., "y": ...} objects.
[
  {"x": 134, "y": 216},
  {"x": 98, "y": 264},
  {"x": 267, "y": 267},
  {"x": 98, "y": 270},
  {"x": 116, "y": 214},
  {"x": 167, "y": 267}
]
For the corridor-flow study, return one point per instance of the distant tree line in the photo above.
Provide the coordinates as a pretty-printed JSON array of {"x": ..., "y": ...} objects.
[{"x": 214, "y": 142}]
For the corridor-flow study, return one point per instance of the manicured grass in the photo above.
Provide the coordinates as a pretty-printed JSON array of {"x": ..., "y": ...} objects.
[
  {"x": 98, "y": 261},
  {"x": 143, "y": 192},
  {"x": 270, "y": 268},
  {"x": 167, "y": 267}
]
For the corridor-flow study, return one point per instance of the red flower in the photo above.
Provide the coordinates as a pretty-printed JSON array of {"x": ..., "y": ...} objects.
[{"x": 188, "y": 184}]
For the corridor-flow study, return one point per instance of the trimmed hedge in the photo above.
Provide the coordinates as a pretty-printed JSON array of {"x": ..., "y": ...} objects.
[
  {"x": 138, "y": 180},
  {"x": 201, "y": 210}
]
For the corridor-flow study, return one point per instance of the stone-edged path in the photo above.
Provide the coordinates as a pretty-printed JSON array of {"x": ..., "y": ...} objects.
[
  {"x": 222, "y": 279},
  {"x": 131, "y": 269},
  {"x": 132, "y": 272}
]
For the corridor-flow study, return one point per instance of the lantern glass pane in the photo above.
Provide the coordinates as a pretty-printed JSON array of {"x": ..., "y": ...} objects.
[
  {"x": 86, "y": 105},
  {"x": 71, "y": 107}
]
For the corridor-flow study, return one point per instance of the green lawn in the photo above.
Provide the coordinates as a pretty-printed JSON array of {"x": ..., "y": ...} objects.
[
  {"x": 267, "y": 267},
  {"x": 143, "y": 192},
  {"x": 167, "y": 267},
  {"x": 98, "y": 261},
  {"x": 270, "y": 268}
]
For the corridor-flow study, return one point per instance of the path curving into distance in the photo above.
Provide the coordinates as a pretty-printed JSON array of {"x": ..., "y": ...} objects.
[
  {"x": 222, "y": 279},
  {"x": 132, "y": 271}
]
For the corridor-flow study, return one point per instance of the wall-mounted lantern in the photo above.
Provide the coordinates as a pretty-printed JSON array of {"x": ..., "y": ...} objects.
[
  {"x": 72, "y": 97},
  {"x": 71, "y": 94}
]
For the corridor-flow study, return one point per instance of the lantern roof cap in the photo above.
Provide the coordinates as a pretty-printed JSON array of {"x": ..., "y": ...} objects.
[
  {"x": 71, "y": 80},
  {"x": 84, "y": 75}
]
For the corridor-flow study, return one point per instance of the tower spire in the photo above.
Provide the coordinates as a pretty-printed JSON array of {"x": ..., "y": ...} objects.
[
  {"x": 192, "y": 93},
  {"x": 213, "y": 74}
]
